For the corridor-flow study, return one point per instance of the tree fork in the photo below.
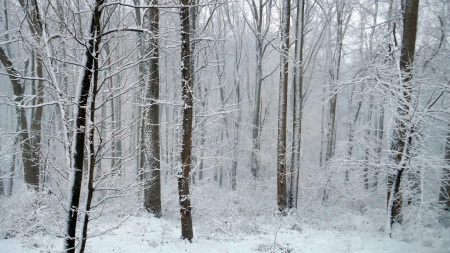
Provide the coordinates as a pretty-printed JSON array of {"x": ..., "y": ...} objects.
[{"x": 80, "y": 132}]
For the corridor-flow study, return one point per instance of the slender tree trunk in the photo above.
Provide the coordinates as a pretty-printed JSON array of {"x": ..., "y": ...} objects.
[
  {"x": 92, "y": 157},
  {"x": 236, "y": 122},
  {"x": 139, "y": 125},
  {"x": 193, "y": 27},
  {"x": 257, "y": 102},
  {"x": 76, "y": 174},
  {"x": 331, "y": 138},
  {"x": 186, "y": 145},
  {"x": 380, "y": 133},
  {"x": 298, "y": 106},
  {"x": 322, "y": 128},
  {"x": 236, "y": 138},
  {"x": 367, "y": 148},
  {"x": 152, "y": 168},
  {"x": 351, "y": 130},
  {"x": 16, "y": 139},
  {"x": 202, "y": 138},
  {"x": 13, "y": 164},
  {"x": 334, "y": 76},
  {"x": 282, "y": 108}
]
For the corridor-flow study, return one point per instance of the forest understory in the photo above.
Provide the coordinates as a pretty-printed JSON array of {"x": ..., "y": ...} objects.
[
  {"x": 225, "y": 126},
  {"x": 241, "y": 221}
]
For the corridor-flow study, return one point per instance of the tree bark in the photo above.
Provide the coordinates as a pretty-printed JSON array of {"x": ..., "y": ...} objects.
[
  {"x": 282, "y": 109},
  {"x": 76, "y": 174},
  {"x": 152, "y": 168},
  {"x": 187, "y": 112},
  {"x": 92, "y": 157},
  {"x": 298, "y": 106}
]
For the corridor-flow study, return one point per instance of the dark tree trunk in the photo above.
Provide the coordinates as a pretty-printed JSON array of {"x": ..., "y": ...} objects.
[
  {"x": 92, "y": 160},
  {"x": 402, "y": 135},
  {"x": 282, "y": 109},
  {"x": 187, "y": 112},
  {"x": 298, "y": 106},
  {"x": 152, "y": 168},
  {"x": 80, "y": 131}
]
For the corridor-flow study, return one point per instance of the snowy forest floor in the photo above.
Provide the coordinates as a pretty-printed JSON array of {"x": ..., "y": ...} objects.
[
  {"x": 224, "y": 221},
  {"x": 143, "y": 234}
]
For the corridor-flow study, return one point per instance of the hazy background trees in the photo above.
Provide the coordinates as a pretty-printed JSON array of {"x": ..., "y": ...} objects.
[{"x": 204, "y": 114}]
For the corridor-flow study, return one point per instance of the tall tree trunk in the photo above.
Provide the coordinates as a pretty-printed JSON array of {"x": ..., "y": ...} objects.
[
  {"x": 202, "y": 137},
  {"x": 139, "y": 125},
  {"x": 256, "y": 127},
  {"x": 152, "y": 168},
  {"x": 83, "y": 88},
  {"x": 282, "y": 108},
  {"x": 187, "y": 111},
  {"x": 257, "y": 114},
  {"x": 236, "y": 136},
  {"x": 16, "y": 139},
  {"x": 403, "y": 132},
  {"x": 334, "y": 76},
  {"x": 367, "y": 148},
  {"x": 193, "y": 28},
  {"x": 237, "y": 120},
  {"x": 92, "y": 157},
  {"x": 298, "y": 106},
  {"x": 322, "y": 128},
  {"x": 331, "y": 136},
  {"x": 351, "y": 130},
  {"x": 380, "y": 133},
  {"x": 13, "y": 163}
]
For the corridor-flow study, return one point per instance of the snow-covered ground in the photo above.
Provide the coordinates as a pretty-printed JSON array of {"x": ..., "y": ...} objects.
[
  {"x": 244, "y": 220},
  {"x": 143, "y": 234}
]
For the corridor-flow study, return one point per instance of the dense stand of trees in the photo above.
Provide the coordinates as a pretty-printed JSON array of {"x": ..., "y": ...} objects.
[{"x": 105, "y": 99}]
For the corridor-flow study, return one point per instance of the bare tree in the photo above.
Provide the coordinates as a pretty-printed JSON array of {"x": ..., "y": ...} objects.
[
  {"x": 31, "y": 138},
  {"x": 83, "y": 88},
  {"x": 403, "y": 132},
  {"x": 261, "y": 14}
]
